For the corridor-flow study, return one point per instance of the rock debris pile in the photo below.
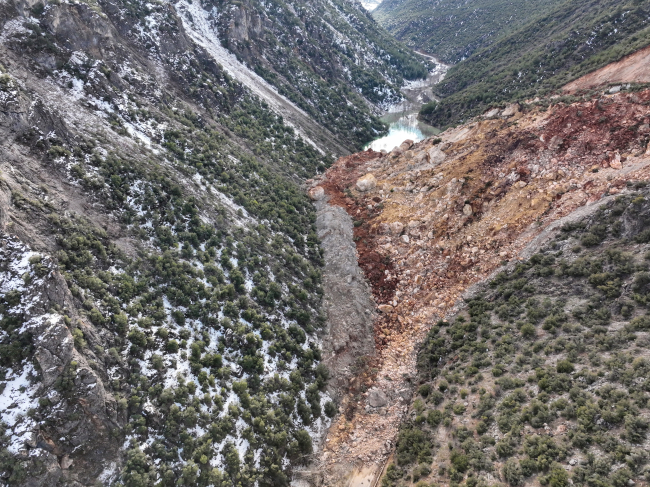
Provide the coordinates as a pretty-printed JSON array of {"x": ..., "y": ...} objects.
[{"x": 432, "y": 218}]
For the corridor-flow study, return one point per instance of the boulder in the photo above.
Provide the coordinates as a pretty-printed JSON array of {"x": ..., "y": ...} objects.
[
  {"x": 317, "y": 193},
  {"x": 556, "y": 143},
  {"x": 467, "y": 210},
  {"x": 421, "y": 157},
  {"x": 385, "y": 308},
  {"x": 436, "y": 156},
  {"x": 396, "y": 228},
  {"x": 366, "y": 183},
  {"x": 377, "y": 399},
  {"x": 383, "y": 229},
  {"x": 616, "y": 162},
  {"x": 406, "y": 145},
  {"x": 491, "y": 113},
  {"x": 510, "y": 110}
]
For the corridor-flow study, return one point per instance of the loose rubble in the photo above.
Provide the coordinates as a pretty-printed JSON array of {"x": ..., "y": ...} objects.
[{"x": 444, "y": 213}]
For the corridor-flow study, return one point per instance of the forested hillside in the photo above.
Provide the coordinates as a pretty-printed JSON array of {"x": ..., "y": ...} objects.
[
  {"x": 326, "y": 57},
  {"x": 511, "y": 50},
  {"x": 453, "y": 30},
  {"x": 554, "y": 48},
  {"x": 160, "y": 276}
]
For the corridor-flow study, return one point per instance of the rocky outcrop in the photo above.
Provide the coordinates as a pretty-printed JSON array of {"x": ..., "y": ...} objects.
[
  {"x": 81, "y": 415},
  {"x": 347, "y": 302},
  {"x": 366, "y": 183}
]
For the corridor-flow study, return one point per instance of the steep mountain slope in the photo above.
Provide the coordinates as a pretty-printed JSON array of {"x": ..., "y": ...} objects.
[
  {"x": 454, "y": 30},
  {"x": 634, "y": 68},
  {"x": 328, "y": 57},
  {"x": 160, "y": 274},
  {"x": 434, "y": 218},
  {"x": 543, "y": 375},
  {"x": 554, "y": 48}
]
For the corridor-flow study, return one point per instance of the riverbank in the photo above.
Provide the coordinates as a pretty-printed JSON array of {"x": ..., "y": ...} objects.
[{"x": 402, "y": 118}]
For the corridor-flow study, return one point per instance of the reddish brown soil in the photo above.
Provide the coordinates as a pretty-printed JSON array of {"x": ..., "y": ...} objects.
[
  {"x": 517, "y": 175},
  {"x": 341, "y": 177}
]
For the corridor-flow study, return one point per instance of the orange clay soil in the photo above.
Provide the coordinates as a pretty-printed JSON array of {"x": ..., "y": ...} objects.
[{"x": 442, "y": 217}]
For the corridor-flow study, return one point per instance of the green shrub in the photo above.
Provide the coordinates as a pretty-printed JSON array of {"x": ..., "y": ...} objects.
[
  {"x": 512, "y": 472},
  {"x": 528, "y": 330},
  {"x": 428, "y": 108},
  {"x": 635, "y": 428},
  {"x": 304, "y": 441},
  {"x": 558, "y": 477},
  {"x": 434, "y": 417},
  {"x": 412, "y": 446},
  {"x": 330, "y": 409},
  {"x": 436, "y": 397},
  {"x": 564, "y": 367},
  {"x": 640, "y": 323},
  {"x": 459, "y": 460}
]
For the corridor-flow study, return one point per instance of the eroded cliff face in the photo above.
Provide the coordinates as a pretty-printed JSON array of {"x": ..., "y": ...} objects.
[
  {"x": 57, "y": 404},
  {"x": 433, "y": 218}
]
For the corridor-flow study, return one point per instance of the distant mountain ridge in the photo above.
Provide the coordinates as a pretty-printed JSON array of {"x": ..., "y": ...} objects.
[
  {"x": 553, "y": 44},
  {"x": 454, "y": 30}
]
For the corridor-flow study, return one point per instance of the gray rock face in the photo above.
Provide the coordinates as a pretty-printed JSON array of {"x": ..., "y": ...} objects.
[
  {"x": 377, "y": 399},
  {"x": 79, "y": 417},
  {"x": 347, "y": 300}
]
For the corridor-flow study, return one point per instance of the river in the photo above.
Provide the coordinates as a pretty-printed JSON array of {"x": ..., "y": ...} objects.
[{"x": 402, "y": 118}]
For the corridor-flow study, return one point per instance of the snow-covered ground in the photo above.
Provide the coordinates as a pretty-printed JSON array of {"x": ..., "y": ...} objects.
[
  {"x": 200, "y": 28},
  {"x": 17, "y": 391}
]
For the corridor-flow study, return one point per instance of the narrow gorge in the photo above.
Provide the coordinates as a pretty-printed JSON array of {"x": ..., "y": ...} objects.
[{"x": 324, "y": 243}]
